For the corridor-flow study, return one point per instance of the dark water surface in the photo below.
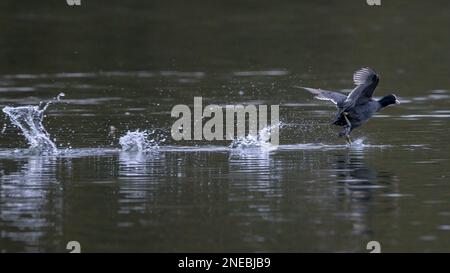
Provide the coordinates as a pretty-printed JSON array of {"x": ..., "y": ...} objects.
[{"x": 127, "y": 64}]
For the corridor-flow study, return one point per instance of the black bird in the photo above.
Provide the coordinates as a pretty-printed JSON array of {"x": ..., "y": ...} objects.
[{"x": 359, "y": 106}]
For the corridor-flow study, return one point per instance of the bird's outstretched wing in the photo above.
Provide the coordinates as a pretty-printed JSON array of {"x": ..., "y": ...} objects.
[
  {"x": 334, "y": 97},
  {"x": 366, "y": 80}
]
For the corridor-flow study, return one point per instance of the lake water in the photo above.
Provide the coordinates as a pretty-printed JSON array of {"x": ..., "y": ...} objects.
[{"x": 123, "y": 66}]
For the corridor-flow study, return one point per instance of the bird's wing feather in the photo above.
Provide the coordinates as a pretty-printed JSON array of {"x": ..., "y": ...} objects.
[
  {"x": 363, "y": 75},
  {"x": 321, "y": 94},
  {"x": 366, "y": 80}
]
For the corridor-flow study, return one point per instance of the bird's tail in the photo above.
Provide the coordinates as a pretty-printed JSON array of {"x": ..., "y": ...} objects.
[{"x": 313, "y": 91}]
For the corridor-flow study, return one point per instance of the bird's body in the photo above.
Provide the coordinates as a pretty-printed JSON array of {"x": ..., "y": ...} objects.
[
  {"x": 358, "y": 115},
  {"x": 358, "y": 107}
]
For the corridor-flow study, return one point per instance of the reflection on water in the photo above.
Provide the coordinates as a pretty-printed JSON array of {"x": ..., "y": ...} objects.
[
  {"x": 311, "y": 193},
  {"x": 31, "y": 207},
  {"x": 228, "y": 200},
  {"x": 360, "y": 187}
]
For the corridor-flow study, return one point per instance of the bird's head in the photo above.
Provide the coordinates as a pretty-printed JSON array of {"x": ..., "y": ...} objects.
[{"x": 388, "y": 100}]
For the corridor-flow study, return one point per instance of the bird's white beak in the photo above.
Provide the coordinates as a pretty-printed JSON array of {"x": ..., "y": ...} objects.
[{"x": 397, "y": 101}]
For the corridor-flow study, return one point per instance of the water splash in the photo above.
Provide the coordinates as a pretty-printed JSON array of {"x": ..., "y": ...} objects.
[
  {"x": 141, "y": 141},
  {"x": 262, "y": 140},
  {"x": 29, "y": 120},
  {"x": 357, "y": 143}
]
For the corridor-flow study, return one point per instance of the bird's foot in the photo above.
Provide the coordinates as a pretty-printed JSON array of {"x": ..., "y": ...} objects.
[
  {"x": 348, "y": 140},
  {"x": 346, "y": 133}
]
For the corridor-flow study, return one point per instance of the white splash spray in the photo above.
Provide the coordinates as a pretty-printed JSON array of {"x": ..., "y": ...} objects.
[
  {"x": 29, "y": 120},
  {"x": 262, "y": 140},
  {"x": 141, "y": 141}
]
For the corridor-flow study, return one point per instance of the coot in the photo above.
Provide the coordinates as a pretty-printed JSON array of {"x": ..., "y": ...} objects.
[{"x": 359, "y": 106}]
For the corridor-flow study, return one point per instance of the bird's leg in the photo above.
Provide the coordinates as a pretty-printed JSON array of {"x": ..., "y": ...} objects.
[
  {"x": 346, "y": 119},
  {"x": 349, "y": 141}
]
